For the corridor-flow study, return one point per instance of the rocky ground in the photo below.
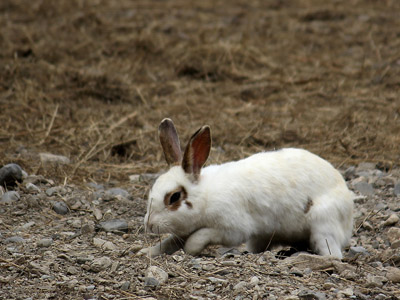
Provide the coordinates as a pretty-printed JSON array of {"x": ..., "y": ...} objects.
[{"x": 67, "y": 242}]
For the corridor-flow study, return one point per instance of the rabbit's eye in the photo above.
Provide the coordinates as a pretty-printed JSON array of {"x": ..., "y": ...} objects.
[{"x": 175, "y": 197}]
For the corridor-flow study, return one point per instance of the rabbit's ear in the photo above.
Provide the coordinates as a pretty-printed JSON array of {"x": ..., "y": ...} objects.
[
  {"x": 170, "y": 142},
  {"x": 197, "y": 151}
]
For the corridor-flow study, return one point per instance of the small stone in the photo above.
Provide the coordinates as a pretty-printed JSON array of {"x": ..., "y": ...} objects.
[
  {"x": 32, "y": 188},
  {"x": 365, "y": 166},
  {"x": 393, "y": 274},
  {"x": 90, "y": 287},
  {"x": 84, "y": 259},
  {"x": 151, "y": 282},
  {"x": 113, "y": 225},
  {"x": 125, "y": 286},
  {"x": 104, "y": 244},
  {"x": 15, "y": 240},
  {"x": 10, "y": 196},
  {"x": 241, "y": 285},
  {"x": 115, "y": 194},
  {"x": 157, "y": 273},
  {"x": 60, "y": 207},
  {"x": 254, "y": 280},
  {"x": 44, "y": 243},
  {"x": 367, "y": 225},
  {"x": 380, "y": 296},
  {"x": 305, "y": 260},
  {"x": 393, "y": 234},
  {"x": 364, "y": 188},
  {"x": 87, "y": 228},
  {"x": 72, "y": 270},
  {"x": 393, "y": 219},
  {"x": 374, "y": 281},
  {"x": 353, "y": 251},
  {"x": 51, "y": 191},
  {"x": 114, "y": 266},
  {"x": 134, "y": 178},
  {"x": 52, "y": 158},
  {"x": 396, "y": 189},
  {"x": 97, "y": 213},
  {"x": 311, "y": 295},
  {"x": 76, "y": 223},
  {"x": 217, "y": 280},
  {"x": 96, "y": 186},
  {"x": 100, "y": 264},
  {"x": 10, "y": 174},
  {"x": 347, "y": 292}
]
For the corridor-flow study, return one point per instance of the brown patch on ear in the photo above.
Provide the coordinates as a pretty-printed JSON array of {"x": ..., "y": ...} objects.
[
  {"x": 170, "y": 142},
  {"x": 176, "y": 204},
  {"x": 197, "y": 151},
  {"x": 308, "y": 205}
]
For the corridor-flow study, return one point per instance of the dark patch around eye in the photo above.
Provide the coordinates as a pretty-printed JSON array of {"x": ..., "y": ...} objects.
[{"x": 174, "y": 199}]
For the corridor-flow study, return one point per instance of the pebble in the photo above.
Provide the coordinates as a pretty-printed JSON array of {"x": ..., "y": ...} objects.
[
  {"x": 10, "y": 196},
  {"x": 100, "y": 264},
  {"x": 254, "y": 280},
  {"x": 104, "y": 244},
  {"x": 151, "y": 282},
  {"x": 241, "y": 285},
  {"x": 51, "y": 191},
  {"x": 311, "y": 295},
  {"x": 113, "y": 225},
  {"x": 347, "y": 292},
  {"x": 27, "y": 225},
  {"x": 90, "y": 287},
  {"x": 44, "y": 243},
  {"x": 365, "y": 166},
  {"x": 364, "y": 188},
  {"x": 125, "y": 286},
  {"x": 15, "y": 240},
  {"x": 32, "y": 188},
  {"x": 96, "y": 186},
  {"x": 10, "y": 174},
  {"x": 353, "y": 251},
  {"x": 396, "y": 189},
  {"x": 115, "y": 194},
  {"x": 159, "y": 274},
  {"x": 60, "y": 207},
  {"x": 97, "y": 213},
  {"x": 72, "y": 270},
  {"x": 217, "y": 280},
  {"x": 393, "y": 274},
  {"x": 394, "y": 237},
  {"x": 393, "y": 219},
  {"x": 52, "y": 158},
  {"x": 374, "y": 281}
]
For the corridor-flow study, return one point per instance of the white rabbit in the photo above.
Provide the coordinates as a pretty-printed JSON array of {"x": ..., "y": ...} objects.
[{"x": 284, "y": 197}]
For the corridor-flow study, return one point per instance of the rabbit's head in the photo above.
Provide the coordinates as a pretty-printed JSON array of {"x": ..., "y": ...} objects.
[{"x": 174, "y": 205}]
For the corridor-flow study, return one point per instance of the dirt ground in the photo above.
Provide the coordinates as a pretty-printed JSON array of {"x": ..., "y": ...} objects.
[{"x": 91, "y": 80}]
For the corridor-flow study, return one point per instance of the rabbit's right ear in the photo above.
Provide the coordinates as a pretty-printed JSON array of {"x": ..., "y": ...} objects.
[
  {"x": 197, "y": 151},
  {"x": 170, "y": 142}
]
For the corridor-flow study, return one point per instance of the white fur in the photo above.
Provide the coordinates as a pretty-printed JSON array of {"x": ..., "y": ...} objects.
[{"x": 261, "y": 200}]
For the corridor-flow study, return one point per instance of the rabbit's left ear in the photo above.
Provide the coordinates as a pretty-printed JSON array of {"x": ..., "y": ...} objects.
[
  {"x": 169, "y": 140},
  {"x": 197, "y": 151}
]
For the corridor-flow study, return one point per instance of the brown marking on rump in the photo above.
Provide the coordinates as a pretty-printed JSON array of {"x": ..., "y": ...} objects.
[
  {"x": 176, "y": 204},
  {"x": 308, "y": 205}
]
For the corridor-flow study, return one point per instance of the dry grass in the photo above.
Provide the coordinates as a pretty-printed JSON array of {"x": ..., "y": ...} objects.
[{"x": 92, "y": 79}]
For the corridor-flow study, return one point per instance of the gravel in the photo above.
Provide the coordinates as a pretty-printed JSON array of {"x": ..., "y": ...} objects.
[{"x": 49, "y": 250}]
